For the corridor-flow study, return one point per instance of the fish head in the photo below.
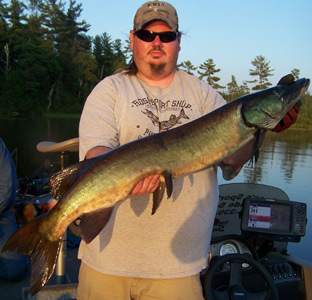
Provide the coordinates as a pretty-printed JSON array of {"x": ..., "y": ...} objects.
[{"x": 266, "y": 108}]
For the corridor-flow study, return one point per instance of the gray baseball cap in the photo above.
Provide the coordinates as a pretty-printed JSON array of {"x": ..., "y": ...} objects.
[{"x": 156, "y": 10}]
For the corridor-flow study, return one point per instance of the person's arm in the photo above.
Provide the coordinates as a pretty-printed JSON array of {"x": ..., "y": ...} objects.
[
  {"x": 146, "y": 186},
  {"x": 242, "y": 155},
  {"x": 8, "y": 179},
  {"x": 96, "y": 151},
  {"x": 232, "y": 165}
]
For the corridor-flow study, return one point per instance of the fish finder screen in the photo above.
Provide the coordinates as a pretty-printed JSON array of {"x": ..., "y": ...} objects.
[{"x": 269, "y": 216}]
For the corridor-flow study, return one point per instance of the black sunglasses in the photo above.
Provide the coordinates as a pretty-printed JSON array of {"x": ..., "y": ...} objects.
[{"x": 149, "y": 36}]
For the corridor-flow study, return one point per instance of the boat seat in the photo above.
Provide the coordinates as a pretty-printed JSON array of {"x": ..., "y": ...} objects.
[{"x": 71, "y": 145}]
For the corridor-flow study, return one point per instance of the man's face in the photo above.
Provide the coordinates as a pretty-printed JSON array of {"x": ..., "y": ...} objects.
[{"x": 155, "y": 59}]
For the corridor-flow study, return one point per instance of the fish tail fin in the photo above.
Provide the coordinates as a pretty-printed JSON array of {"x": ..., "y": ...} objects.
[
  {"x": 30, "y": 241},
  {"x": 183, "y": 114}
]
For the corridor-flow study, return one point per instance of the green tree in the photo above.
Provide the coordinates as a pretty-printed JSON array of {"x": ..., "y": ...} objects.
[
  {"x": 5, "y": 64},
  {"x": 263, "y": 71},
  {"x": 86, "y": 70},
  {"x": 4, "y": 29},
  {"x": 304, "y": 118},
  {"x": 244, "y": 89},
  {"x": 127, "y": 51},
  {"x": 235, "y": 91},
  {"x": 16, "y": 33},
  {"x": 13, "y": 24},
  {"x": 103, "y": 53},
  {"x": 109, "y": 54},
  {"x": 68, "y": 39},
  {"x": 209, "y": 69},
  {"x": 29, "y": 83},
  {"x": 119, "y": 55},
  {"x": 296, "y": 73},
  {"x": 233, "y": 86},
  {"x": 187, "y": 66}
]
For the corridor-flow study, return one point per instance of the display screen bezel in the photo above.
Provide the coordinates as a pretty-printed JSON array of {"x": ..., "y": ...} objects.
[{"x": 272, "y": 206}]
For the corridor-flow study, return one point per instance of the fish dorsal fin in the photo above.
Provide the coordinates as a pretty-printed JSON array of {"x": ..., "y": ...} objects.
[
  {"x": 165, "y": 183},
  {"x": 91, "y": 224},
  {"x": 287, "y": 80},
  {"x": 61, "y": 181}
]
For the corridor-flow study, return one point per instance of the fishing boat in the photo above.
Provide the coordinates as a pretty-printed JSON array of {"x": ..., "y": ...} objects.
[{"x": 248, "y": 258}]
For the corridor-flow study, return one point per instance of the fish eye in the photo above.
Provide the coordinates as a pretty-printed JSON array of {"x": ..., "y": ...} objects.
[{"x": 278, "y": 94}]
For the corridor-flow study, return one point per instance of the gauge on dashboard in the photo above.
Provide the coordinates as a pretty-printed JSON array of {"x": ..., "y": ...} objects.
[{"x": 228, "y": 247}]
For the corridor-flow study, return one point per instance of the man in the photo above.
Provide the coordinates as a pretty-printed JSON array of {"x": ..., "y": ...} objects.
[
  {"x": 12, "y": 266},
  {"x": 137, "y": 255}
]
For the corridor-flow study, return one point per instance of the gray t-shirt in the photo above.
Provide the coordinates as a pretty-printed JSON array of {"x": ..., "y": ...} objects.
[{"x": 174, "y": 242}]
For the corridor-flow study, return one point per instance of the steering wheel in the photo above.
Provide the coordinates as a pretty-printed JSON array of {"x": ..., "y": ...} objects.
[{"x": 235, "y": 289}]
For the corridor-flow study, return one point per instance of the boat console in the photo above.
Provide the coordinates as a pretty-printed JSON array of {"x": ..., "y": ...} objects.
[{"x": 248, "y": 258}]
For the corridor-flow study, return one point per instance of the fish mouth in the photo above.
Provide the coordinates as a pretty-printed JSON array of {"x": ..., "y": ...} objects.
[
  {"x": 294, "y": 91},
  {"x": 306, "y": 84}
]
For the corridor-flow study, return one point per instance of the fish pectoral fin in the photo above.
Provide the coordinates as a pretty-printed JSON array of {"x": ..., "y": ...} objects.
[
  {"x": 44, "y": 252},
  {"x": 92, "y": 223},
  {"x": 165, "y": 184},
  {"x": 229, "y": 172}
]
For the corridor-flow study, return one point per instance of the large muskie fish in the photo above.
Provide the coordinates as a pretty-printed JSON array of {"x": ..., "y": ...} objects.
[{"x": 93, "y": 187}]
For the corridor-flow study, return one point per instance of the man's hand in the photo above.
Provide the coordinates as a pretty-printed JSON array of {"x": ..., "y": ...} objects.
[
  {"x": 146, "y": 186},
  {"x": 288, "y": 119}
]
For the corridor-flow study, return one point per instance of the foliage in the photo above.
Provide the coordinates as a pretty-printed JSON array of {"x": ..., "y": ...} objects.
[
  {"x": 304, "y": 118},
  {"x": 187, "y": 66},
  {"x": 263, "y": 71},
  {"x": 209, "y": 69},
  {"x": 296, "y": 73},
  {"x": 108, "y": 54},
  {"x": 235, "y": 91},
  {"x": 46, "y": 58}
]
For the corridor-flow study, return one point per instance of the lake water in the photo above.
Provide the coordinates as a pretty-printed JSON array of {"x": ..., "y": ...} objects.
[{"x": 285, "y": 160}]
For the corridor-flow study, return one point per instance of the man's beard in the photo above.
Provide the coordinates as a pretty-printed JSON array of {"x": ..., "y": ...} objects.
[{"x": 157, "y": 69}]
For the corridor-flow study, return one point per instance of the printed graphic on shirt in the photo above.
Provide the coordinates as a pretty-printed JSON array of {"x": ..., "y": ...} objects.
[
  {"x": 163, "y": 115},
  {"x": 165, "y": 125}
]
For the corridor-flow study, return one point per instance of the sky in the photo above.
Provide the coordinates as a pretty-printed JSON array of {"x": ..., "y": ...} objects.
[{"x": 231, "y": 32}]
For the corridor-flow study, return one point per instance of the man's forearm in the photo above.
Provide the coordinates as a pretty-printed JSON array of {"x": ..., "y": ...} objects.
[{"x": 241, "y": 156}]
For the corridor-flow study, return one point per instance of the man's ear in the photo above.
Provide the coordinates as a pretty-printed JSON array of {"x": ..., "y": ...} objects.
[
  {"x": 179, "y": 41},
  {"x": 131, "y": 39}
]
